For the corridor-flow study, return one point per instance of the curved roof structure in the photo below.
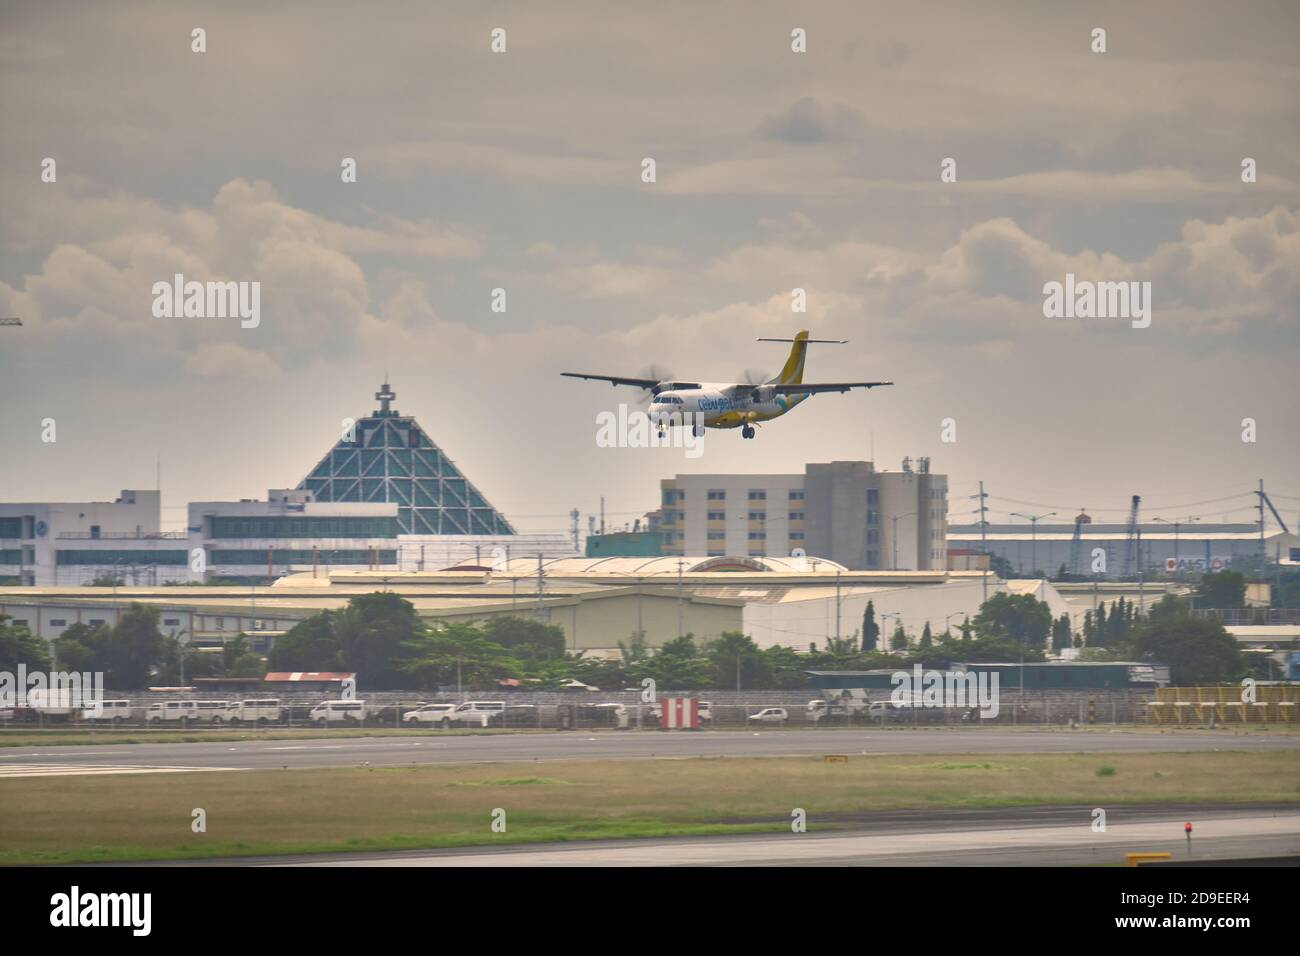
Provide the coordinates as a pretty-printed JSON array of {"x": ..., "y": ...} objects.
[{"x": 668, "y": 565}]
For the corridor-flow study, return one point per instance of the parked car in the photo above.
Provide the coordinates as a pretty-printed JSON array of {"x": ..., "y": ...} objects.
[
  {"x": 770, "y": 715},
  {"x": 429, "y": 714},
  {"x": 705, "y": 709},
  {"x": 353, "y": 711}
]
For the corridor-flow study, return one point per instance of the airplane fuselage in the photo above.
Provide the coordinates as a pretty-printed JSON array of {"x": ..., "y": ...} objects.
[{"x": 720, "y": 405}]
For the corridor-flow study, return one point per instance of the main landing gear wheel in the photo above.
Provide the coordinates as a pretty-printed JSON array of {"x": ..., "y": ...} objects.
[{"x": 747, "y": 431}]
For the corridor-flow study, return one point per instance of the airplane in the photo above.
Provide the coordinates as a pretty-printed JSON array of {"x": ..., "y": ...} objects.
[{"x": 733, "y": 404}]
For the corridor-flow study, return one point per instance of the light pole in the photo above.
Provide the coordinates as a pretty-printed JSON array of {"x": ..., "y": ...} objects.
[
  {"x": 949, "y": 618},
  {"x": 894, "y": 519},
  {"x": 1033, "y": 537},
  {"x": 1177, "y": 525},
  {"x": 899, "y": 619}
]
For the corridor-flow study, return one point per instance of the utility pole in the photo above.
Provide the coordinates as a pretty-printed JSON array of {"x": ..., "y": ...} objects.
[
  {"x": 1033, "y": 537},
  {"x": 837, "y": 610},
  {"x": 680, "y": 625},
  {"x": 573, "y": 517},
  {"x": 541, "y": 604},
  {"x": 984, "y": 530},
  {"x": 894, "y": 519}
]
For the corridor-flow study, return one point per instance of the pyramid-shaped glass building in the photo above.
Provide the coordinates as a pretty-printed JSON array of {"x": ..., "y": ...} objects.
[{"x": 388, "y": 457}]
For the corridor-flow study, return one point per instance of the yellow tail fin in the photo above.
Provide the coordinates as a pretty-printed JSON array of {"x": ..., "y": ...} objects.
[{"x": 792, "y": 372}]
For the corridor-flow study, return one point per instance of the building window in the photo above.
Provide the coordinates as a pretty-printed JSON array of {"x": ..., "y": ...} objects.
[
  {"x": 58, "y": 622},
  {"x": 757, "y": 494},
  {"x": 717, "y": 536},
  {"x": 796, "y": 535},
  {"x": 221, "y": 624},
  {"x": 717, "y": 494},
  {"x": 758, "y": 516},
  {"x": 717, "y": 516},
  {"x": 758, "y": 536},
  {"x": 796, "y": 515},
  {"x": 96, "y": 621},
  {"x": 171, "y": 622},
  {"x": 873, "y": 517},
  {"x": 873, "y": 496},
  {"x": 796, "y": 494}
]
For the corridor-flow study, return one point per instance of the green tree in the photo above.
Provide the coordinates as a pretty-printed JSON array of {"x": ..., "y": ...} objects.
[
  {"x": 899, "y": 641},
  {"x": 735, "y": 657},
  {"x": 927, "y": 639},
  {"x": 458, "y": 653},
  {"x": 135, "y": 648},
  {"x": 1022, "y": 618},
  {"x": 20, "y": 646},
  {"x": 677, "y": 665},
  {"x": 526, "y": 640},
  {"x": 238, "y": 660},
  {"x": 1061, "y": 633},
  {"x": 786, "y": 667},
  {"x": 1224, "y": 589},
  {"x": 377, "y": 632},
  {"x": 1197, "y": 650},
  {"x": 310, "y": 645},
  {"x": 870, "y": 629}
]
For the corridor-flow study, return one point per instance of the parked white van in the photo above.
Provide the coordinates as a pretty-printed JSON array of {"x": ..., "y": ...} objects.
[
  {"x": 210, "y": 711},
  {"x": 261, "y": 711},
  {"x": 109, "y": 711},
  {"x": 477, "y": 712},
  {"x": 430, "y": 714},
  {"x": 328, "y": 710},
  {"x": 167, "y": 711}
]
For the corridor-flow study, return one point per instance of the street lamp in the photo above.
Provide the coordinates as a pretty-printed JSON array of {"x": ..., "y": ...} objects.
[
  {"x": 1177, "y": 524},
  {"x": 899, "y": 619},
  {"x": 894, "y": 519},
  {"x": 949, "y": 618},
  {"x": 1033, "y": 537}
]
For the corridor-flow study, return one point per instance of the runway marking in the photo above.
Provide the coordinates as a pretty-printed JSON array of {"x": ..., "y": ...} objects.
[{"x": 26, "y": 770}]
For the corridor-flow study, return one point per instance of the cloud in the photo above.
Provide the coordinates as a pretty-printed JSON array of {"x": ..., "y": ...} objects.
[{"x": 807, "y": 121}]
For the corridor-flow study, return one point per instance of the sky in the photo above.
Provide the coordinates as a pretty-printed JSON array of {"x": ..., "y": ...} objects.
[{"x": 522, "y": 170}]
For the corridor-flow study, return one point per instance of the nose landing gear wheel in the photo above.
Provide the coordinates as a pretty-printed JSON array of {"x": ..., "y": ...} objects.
[{"x": 747, "y": 431}]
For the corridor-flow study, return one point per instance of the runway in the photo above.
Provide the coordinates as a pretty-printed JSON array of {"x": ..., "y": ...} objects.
[
  {"x": 613, "y": 745},
  {"x": 1005, "y": 837}
]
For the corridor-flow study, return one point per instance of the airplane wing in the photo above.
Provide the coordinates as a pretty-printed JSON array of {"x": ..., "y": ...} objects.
[
  {"x": 616, "y": 379},
  {"x": 810, "y": 389}
]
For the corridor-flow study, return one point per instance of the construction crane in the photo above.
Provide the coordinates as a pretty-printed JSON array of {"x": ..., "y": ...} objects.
[
  {"x": 1076, "y": 545},
  {"x": 1131, "y": 556}
]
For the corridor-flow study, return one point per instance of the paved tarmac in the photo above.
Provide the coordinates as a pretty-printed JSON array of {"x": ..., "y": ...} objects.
[
  {"x": 1062, "y": 836},
  {"x": 419, "y": 749}
]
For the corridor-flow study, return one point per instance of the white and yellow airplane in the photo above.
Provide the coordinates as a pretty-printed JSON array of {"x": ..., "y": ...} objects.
[{"x": 733, "y": 404}]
